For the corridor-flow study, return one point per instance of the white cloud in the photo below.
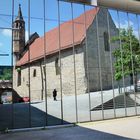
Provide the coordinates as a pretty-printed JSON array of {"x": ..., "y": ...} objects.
[
  {"x": 7, "y": 32},
  {"x": 124, "y": 24},
  {"x": 136, "y": 34}
]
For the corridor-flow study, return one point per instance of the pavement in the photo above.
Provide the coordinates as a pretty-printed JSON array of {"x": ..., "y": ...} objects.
[
  {"x": 23, "y": 115},
  {"x": 115, "y": 129}
]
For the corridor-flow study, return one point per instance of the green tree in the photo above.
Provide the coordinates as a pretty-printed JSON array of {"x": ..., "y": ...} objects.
[
  {"x": 127, "y": 56},
  {"x": 7, "y": 74}
]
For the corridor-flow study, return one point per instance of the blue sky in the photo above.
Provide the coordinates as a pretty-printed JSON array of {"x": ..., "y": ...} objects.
[{"x": 51, "y": 16}]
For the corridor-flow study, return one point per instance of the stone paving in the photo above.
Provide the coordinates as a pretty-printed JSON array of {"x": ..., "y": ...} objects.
[
  {"x": 116, "y": 129},
  {"x": 25, "y": 116}
]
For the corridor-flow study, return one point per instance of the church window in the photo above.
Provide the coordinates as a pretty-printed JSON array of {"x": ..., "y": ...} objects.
[
  {"x": 20, "y": 25},
  {"x": 44, "y": 70},
  {"x": 57, "y": 66},
  {"x": 16, "y": 25},
  {"x": 34, "y": 73},
  {"x": 106, "y": 41},
  {"x": 19, "y": 78}
]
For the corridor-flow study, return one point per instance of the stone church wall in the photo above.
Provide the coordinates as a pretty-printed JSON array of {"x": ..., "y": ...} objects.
[
  {"x": 35, "y": 82},
  {"x": 66, "y": 85},
  {"x": 102, "y": 70},
  {"x": 73, "y": 81}
]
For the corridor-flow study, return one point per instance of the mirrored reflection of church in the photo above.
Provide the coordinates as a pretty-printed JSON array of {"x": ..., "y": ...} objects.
[{"x": 79, "y": 47}]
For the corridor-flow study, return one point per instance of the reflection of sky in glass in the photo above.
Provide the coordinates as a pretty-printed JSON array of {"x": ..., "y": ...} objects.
[
  {"x": 51, "y": 19},
  {"x": 5, "y": 46},
  {"x": 133, "y": 20},
  {"x": 133, "y": 23}
]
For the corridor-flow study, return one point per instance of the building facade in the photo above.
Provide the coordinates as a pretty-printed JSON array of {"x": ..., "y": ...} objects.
[{"x": 69, "y": 58}]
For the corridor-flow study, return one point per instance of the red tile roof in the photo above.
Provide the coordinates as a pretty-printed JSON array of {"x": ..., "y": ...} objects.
[{"x": 66, "y": 37}]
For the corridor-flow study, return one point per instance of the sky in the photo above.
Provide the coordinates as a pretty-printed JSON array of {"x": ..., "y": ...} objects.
[{"x": 51, "y": 20}]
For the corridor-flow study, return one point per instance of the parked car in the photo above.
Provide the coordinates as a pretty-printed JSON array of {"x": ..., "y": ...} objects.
[{"x": 24, "y": 99}]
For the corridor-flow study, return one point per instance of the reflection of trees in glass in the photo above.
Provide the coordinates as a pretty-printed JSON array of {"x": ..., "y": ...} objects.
[
  {"x": 6, "y": 75},
  {"x": 125, "y": 58}
]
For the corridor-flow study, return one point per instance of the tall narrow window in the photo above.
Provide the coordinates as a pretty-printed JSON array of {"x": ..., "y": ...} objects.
[
  {"x": 19, "y": 78},
  {"x": 106, "y": 41},
  {"x": 34, "y": 73},
  {"x": 44, "y": 70},
  {"x": 57, "y": 66},
  {"x": 16, "y": 25}
]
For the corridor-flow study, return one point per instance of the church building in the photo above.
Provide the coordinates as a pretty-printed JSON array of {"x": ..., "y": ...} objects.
[{"x": 70, "y": 62}]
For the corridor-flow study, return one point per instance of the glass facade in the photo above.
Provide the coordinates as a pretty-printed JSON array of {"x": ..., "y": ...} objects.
[{"x": 67, "y": 63}]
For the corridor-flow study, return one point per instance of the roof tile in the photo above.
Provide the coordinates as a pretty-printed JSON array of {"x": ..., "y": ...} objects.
[{"x": 37, "y": 48}]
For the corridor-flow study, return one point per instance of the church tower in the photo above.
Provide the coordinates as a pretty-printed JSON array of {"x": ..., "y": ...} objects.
[{"x": 18, "y": 35}]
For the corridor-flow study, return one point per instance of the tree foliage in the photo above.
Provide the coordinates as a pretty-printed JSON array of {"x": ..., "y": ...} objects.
[
  {"x": 127, "y": 55},
  {"x": 6, "y": 75}
]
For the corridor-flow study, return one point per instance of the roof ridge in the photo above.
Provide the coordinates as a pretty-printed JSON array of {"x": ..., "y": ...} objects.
[
  {"x": 71, "y": 20},
  {"x": 52, "y": 37}
]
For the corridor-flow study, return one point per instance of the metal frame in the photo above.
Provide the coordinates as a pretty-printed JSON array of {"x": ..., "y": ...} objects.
[
  {"x": 12, "y": 63},
  {"x": 29, "y": 89},
  {"x": 45, "y": 92},
  {"x": 123, "y": 78},
  {"x": 111, "y": 65},
  {"x": 99, "y": 60},
  {"x": 139, "y": 46},
  {"x": 132, "y": 63},
  {"x": 87, "y": 63},
  {"x": 74, "y": 64},
  {"x": 62, "y": 116}
]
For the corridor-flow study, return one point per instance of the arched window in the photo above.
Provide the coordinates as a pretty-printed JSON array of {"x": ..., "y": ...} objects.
[
  {"x": 106, "y": 41},
  {"x": 57, "y": 66}
]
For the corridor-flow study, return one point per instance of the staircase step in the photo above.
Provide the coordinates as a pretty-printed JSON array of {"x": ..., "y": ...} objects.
[{"x": 119, "y": 103}]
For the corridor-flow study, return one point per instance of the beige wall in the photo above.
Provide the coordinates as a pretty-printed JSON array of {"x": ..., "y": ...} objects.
[{"x": 37, "y": 84}]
